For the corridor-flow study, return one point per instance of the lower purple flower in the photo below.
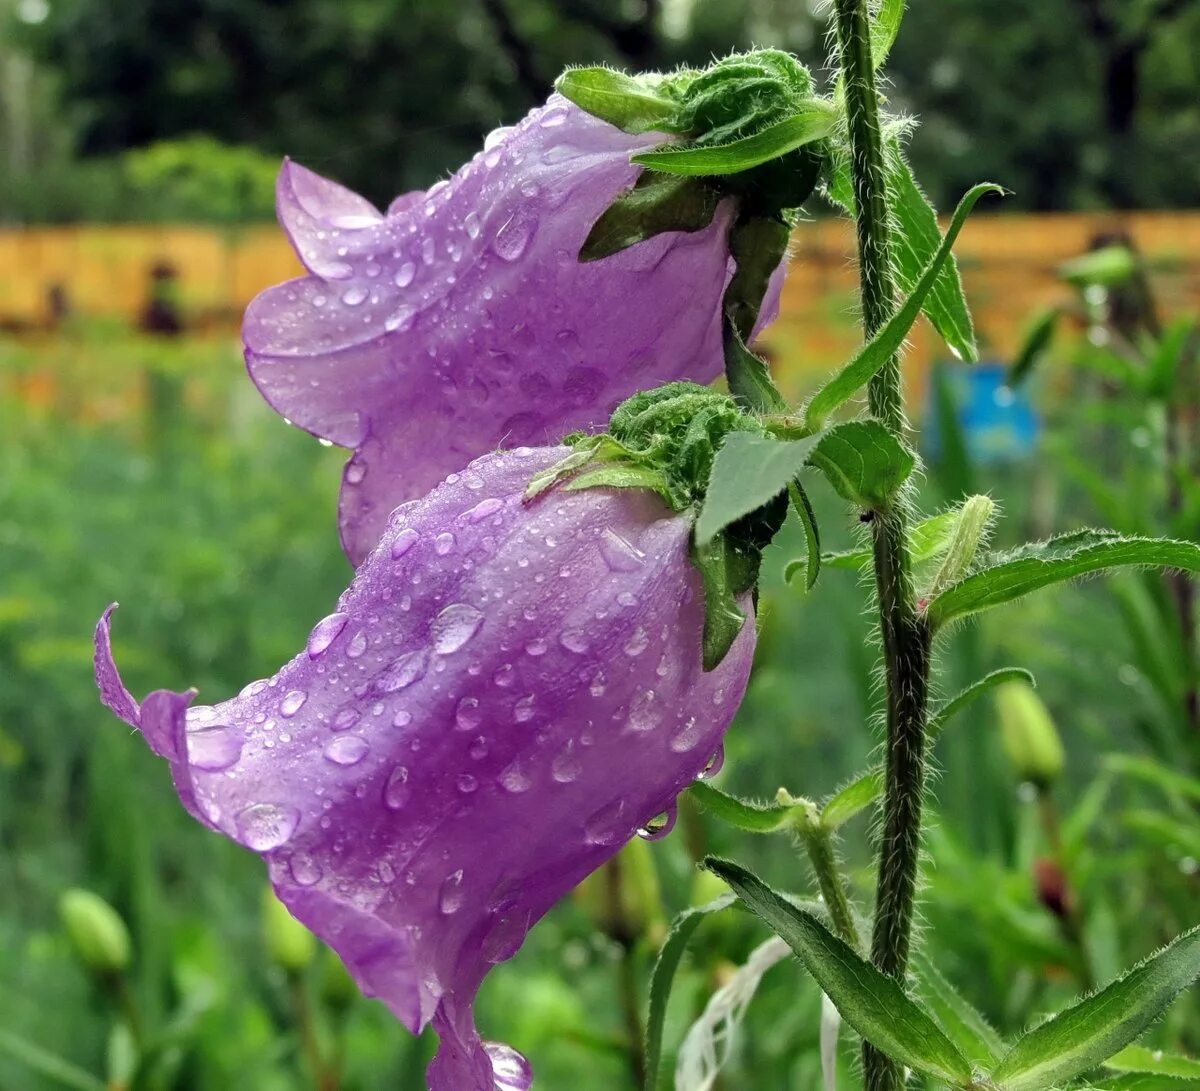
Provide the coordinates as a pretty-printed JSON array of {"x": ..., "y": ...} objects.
[{"x": 505, "y": 694}]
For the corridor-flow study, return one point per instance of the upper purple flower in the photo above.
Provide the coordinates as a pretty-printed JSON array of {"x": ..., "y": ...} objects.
[
  {"x": 462, "y": 320},
  {"x": 507, "y": 691}
]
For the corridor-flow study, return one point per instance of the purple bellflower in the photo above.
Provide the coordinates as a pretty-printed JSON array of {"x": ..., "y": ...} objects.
[
  {"x": 462, "y": 320},
  {"x": 508, "y": 690}
]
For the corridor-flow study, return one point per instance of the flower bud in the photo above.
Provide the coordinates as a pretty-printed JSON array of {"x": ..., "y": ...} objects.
[
  {"x": 96, "y": 931},
  {"x": 1030, "y": 737},
  {"x": 289, "y": 943}
]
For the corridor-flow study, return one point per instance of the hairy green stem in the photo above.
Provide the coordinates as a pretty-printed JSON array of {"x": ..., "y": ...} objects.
[
  {"x": 819, "y": 844},
  {"x": 905, "y": 635}
]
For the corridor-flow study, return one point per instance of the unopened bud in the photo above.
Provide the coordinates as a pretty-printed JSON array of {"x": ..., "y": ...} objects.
[
  {"x": 972, "y": 522},
  {"x": 289, "y": 943},
  {"x": 96, "y": 931},
  {"x": 1030, "y": 736}
]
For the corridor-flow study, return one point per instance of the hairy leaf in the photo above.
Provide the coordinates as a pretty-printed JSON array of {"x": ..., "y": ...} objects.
[
  {"x": 751, "y": 817},
  {"x": 854, "y": 798},
  {"x": 873, "y": 1004},
  {"x": 864, "y": 462},
  {"x": 969, "y": 1030},
  {"x": 969, "y": 694},
  {"x": 1141, "y": 1059},
  {"x": 1087, "y": 1034},
  {"x": 656, "y": 204},
  {"x": 625, "y": 101},
  {"x": 1009, "y": 576}
]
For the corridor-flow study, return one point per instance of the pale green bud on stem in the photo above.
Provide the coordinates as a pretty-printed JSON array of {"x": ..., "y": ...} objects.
[
  {"x": 97, "y": 933},
  {"x": 971, "y": 526},
  {"x": 1030, "y": 738}
]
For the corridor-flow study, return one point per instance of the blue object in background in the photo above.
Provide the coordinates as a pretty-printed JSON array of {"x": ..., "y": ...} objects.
[{"x": 998, "y": 423}]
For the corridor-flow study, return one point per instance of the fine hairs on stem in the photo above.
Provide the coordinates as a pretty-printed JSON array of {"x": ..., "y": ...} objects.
[{"x": 905, "y": 635}]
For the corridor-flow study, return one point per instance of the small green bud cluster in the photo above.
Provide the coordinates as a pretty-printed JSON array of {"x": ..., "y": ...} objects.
[{"x": 96, "y": 931}]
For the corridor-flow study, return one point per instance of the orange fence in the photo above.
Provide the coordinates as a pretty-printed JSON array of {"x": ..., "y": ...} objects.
[{"x": 1008, "y": 264}]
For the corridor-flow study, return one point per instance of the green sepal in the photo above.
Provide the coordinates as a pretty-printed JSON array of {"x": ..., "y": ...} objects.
[
  {"x": 1109, "y": 266},
  {"x": 812, "y": 532},
  {"x": 723, "y": 618},
  {"x": 634, "y": 104},
  {"x": 655, "y": 204},
  {"x": 814, "y": 120},
  {"x": 1035, "y": 344}
]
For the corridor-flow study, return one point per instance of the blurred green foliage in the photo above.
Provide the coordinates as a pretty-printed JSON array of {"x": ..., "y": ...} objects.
[
  {"x": 213, "y": 524},
  {"x": 1069, "y": 103}
]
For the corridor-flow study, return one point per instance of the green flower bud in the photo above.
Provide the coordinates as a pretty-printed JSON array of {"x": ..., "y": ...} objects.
[
  {"x": 96, "y": 931},
  {"x": 289, "y": 943},
  {"x": 1030, "y": 737}
]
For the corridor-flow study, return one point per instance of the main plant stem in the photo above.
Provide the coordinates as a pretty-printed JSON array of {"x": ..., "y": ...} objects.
[{"x": 905, "y": 635}]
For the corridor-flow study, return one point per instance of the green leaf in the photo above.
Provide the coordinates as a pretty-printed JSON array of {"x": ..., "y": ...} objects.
[
  {"x": 1009, "y": 576},
  {"x": 749, "y": 471},
  {"x": 723, "y": 617},
  {"x": 625, "y": 101},
  {"x": 1151, "y": 772},
  {"x": 655, "y": 204},
  {"x": 622, "y": 477},
  {"x": 1142, "y": 1059},
  {"x": 969, "y": 1030},
  {"x": 663, "y": 977},
  {"x": 1109, "y": 266},
  {"x": 748, "y": 375},
  {"x": 744, "y": 815},
  {"x": 1084, "y": 1036},
  {"x": 1034, "y": 344},
  {"x": 48, "y": 1065},
  {"x": 884, "y": 28},
  {"x": 814, "y": 121},
  {"x": 1163, "y": 831},
  {"x": 1164, "y": 365},
  {"x": 873, "y": 1004},
  {"x": 955, "y": 467},
  {"x": 864, "y": 462},
  {"x": 969, "y": 694},
  {"x": 854, "y": 798},
  {"x": 886, "y": 343},
  {"x": 851, "y": 560},
  {"x": 1143, "y": 1081},
  {"x": 812, "y": 533}
]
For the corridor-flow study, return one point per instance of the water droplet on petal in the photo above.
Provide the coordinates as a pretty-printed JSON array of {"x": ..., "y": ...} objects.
[
  {"x": 253, "y": 689},
  {"x": 357, "y": 646},
  {"x": 637, "y": 643},
  {"x": 404, "y": 275},
  {"x": 659, "y": 826},
  {"x": 444, "y": 543},
  {"x": 504, "y": 675},
  {"x": 574, "y": 640},
  {"x": 515, "y": 778},
  {"x": 608, "y": 826},
  {"x": 510, "y": 1070},
  {"x": 403, "y": 542},
  {"x": 478, "y": 749},
  {"x": 566, "y": 766},
  {"x": 427, "y": 250},
  {"x": 471, "y": 223},
  {"x": 215, "y": 747},
  {"x": 347, "y": 750},
  {"x": 619, "y": 554},
  {"x": 402, "y": 718},
  {"x": 396, "y": 791},
  {"x": 523, "y": 709},
  {"x": 484, "y": 508},
  {"x": 687, "y": 735},
  {"x": 403, "y": 671},
  {"x": 536, "y": 647},
  {"x": 714, "y": 764},
  {"x": 292, "y": 703},
  {"x": 305, "y": 870},
  {"x": 644, "y": 712},
  {"x": 356, "y": 470},
  {"x": 468, "y": 715},
  {"x": 467, "y": 783},
  {"x": 324, "y": 633},
  {"x": 265, "y": 826},
  {"x": 451, "y": 897},
  {"x": 352, "y": 297},
  {"x": 454, "y": 627},
  {"x": 514, "y": 234}
]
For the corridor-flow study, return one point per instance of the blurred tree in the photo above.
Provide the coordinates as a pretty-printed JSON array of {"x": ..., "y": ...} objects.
[{"x": 1069, "y": 102}]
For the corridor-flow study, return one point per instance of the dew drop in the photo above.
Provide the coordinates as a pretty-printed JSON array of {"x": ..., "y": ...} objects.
[
  {"x": 253, "y": 689},
  {"x": 444, "y": 543},
  {"x": 687, "y": 735},
  {"x": 523, "y": 709},
  {"x": 536, "y": 647},
  {"x": 714, "y": 764},
  {"x": 292, "y": 703},
  {"x": 324, "y": 633},
  {"x": 619, "y": 554},
  {"x": 510, "y": 1071},
  {"x": 467, "y": 783},
  {"x": 305, "y": 870},
  {"x": 345, "y": 719},
  {"x": 504, "y": 675},
  {"x": 347, "y": 750},
  {"x": 404, "y": 275},
  {"x": 659, "y": 826},
  {"x": 484, "y": 508},
  {"x": 608, "y": 825},
  {"x": 566, "y": 766},
  {"x": 574, "y": 640},
  {"x": 214, "y": 747},
  {"x": 427, "y": 251},
  {"x": 471, "y": 223},
  {"x": 454, "y": 627},
  {"x": 403, "y": 542},
  {"x": 644, "y": 713},
  {"x": 478, "y": 749},
  {"x": 352, "y": 297},
  {"x": 451, "y": 897},
  {"x": 515, "y": 778},
  {"x": 403, "y": 671},
  {"x": 356, "y": 470},
  {"x": 468, "y": 715},
  {"x": 514, "y": 235},
  {"x": 265, "y": 826},
  {"x": 637, "y": 643},
  {"x": 357, "y": 646},
  {"x": 396, "y": 791},
  {"x": 402, "y": 718}
]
